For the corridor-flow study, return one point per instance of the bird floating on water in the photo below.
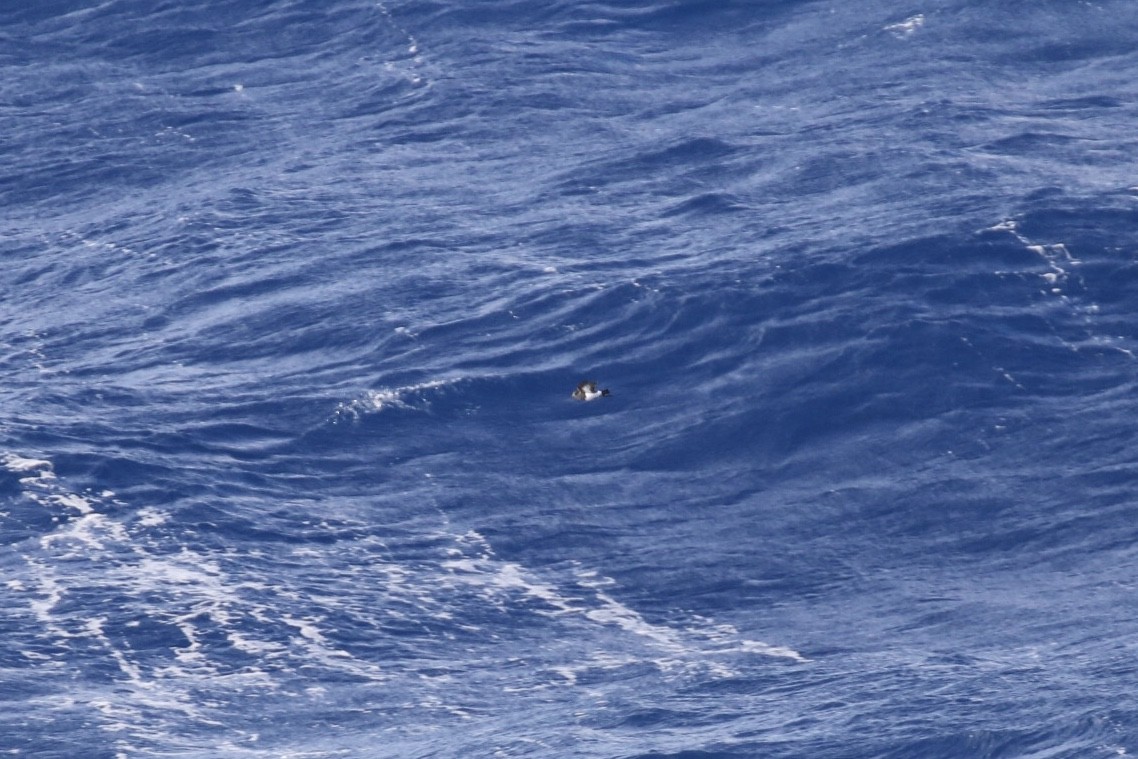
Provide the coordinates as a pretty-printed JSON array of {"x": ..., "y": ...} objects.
[{"x": 587, "y": 391}]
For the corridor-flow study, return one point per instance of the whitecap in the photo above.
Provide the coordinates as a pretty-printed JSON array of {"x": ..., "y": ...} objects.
[{"x": 907, "y": 27}]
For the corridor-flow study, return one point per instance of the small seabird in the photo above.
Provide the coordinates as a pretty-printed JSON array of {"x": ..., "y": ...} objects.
[{"x": 587, "y": 391}]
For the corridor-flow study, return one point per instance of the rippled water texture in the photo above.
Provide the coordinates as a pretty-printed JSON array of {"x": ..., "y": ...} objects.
[{"x": 295, "y": 294}]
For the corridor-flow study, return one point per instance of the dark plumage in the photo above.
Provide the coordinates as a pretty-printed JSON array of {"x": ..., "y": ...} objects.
[{"x": 587, "y": 391}]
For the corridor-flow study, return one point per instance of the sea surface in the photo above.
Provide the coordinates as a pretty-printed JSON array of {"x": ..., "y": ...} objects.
[{"x": 295, "y": 292}]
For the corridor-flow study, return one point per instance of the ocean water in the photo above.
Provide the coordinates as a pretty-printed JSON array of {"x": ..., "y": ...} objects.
[{"x": 295, "y": 294}]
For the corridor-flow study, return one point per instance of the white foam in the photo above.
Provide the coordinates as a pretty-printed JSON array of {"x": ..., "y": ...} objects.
[
  {"x": 1007, "y": 225},
  {"x": 435, "y": 703},
  {"x": 42, "y": 487},
  {"x": 255, "y": 647},
  {"x": 758, "y": 647},
  {"x": 42, "y": 480},
  {"x": 375, "y": 401},
  {"x": 281, "y": 625},
  {"x": 1062, "y": 280},
  {"x": 613, "y": 612},
  {"x": 505, "y": 576},
  {"x": 16, "y": 463},
  {"x": 150, "y": 517},
  {"x": 307, "y": 629},
  {"x": 91, "y": 555},
  {"x": 681, "y": 647},
  {"x": 907, "y": 27},
  {"x": 130, "y": 669},
  {"x": 568, "y": 673},
  {"x": 73, "y": 501},
  {"x": 52, "y": 593},
  {"x": 90, "y": 530}
]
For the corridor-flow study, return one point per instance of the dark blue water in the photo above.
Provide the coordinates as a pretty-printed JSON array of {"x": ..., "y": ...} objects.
[{"x": 295, "y": 294}]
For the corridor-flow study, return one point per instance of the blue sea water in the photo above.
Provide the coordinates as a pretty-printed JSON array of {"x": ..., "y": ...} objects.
[{"x": 295, "y": 294}]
